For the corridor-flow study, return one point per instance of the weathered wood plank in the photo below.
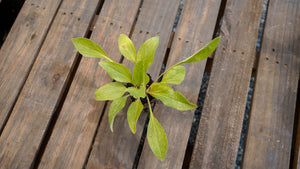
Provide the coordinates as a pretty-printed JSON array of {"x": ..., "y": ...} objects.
[
  {"x": 46, "y": 82},
  {"x": 74, "y": 130},
  {"x": 196, "y": 27},
  {"x": 270, "y": 133},
  {"x": 223, "y": 111},
  {"x": 119, "y": 148},
  {"x": 21, "y": 48}
]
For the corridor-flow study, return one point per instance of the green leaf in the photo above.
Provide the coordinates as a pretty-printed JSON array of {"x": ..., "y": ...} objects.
[
  {"x": 137, "y": 93},
  {"x": 127, "y": 49},
  {"x": 157, "y": 138},
  {"x": 133, "y": 114},
  {"x": 202, "y": 53},
  {"x": 117, "y": 71},
  {"x": 110, "y": 91},
  {"x": 147, "y": 51},
  {"x": 116, "y": 106},
  {"x": 175, "y": 75},
  {"x": 139, "y": 74},
  {"x": 170, "y": 98},
  {"x": 88, "y": 48}
]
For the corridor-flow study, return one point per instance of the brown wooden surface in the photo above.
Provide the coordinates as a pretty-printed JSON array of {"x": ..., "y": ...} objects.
[
  {"x": 81, "y": 112},
  {"x": 55, "y": 118},
  {"x": 177, "y": 124},
  {"x": 270, "y": 133},
  {"x": 220, "y": 125},
  {"x": 41, "y": 94},
  {"x": 21, "y": 48},
  {"x": 106, "y": 153}
]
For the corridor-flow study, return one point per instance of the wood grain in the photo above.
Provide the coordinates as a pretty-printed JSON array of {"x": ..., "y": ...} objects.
[
  {"x": 119, "y": 148},
  {"x": 195, "y": 28},
  {"x": 270, "y": 133},
  {"x": 220, "y": 125},
  {"x": 41, "y": 94},
  {"x": 73, "y": 133},
  {"x": 21, "y": 48}
]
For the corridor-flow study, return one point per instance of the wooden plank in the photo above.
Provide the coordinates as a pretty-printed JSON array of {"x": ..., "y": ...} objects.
[
  {"x": 220, "y": 125},
  {"x": 46, "y": 82},
  {"x": 119, "y": 148},
  {"x": 21, "y": 48},
  {"x": 270, "y": 132},
  {"x": 74, "y": 130},
  {"x": 195, "y": 28}
]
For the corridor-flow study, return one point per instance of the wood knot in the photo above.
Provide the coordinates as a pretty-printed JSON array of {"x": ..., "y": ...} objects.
[{"x": 55, "y": 78}]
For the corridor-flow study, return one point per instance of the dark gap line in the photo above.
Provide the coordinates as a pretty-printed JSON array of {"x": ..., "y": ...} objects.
[
  {"x": 240, "y": 152},
  {"x": 163, "y": 67},
  {"x": 61, "y": 99},
  {"x": 202, "y": 92},
  {"x": 219, "y": 19},
  {"x": 196, "y": 120},
  {"x": 29, "y": 70},
  {"x": 208, "y": 66},
  {"x": 94, "y": 137},
  {"x": 247, "y": 114},
  {"x": 142, "y": 140},
  {"x": 296, "y": 134},
  {"x": 178, "y": 15},
  {"x": 262, "y": 25},
  {"x": 137, "y": 15}
]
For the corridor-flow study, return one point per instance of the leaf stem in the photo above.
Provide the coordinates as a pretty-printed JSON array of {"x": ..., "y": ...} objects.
[{"x": 149, "y": 105}]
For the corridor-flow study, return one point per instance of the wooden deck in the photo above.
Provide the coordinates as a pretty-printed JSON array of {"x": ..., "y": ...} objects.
[{"x": 49, "y": 118}]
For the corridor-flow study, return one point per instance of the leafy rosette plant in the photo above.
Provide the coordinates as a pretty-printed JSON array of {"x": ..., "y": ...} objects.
[{"x": 136, "y": 84}]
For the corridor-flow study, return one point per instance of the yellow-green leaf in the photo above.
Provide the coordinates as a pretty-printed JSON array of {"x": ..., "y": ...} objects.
[
  {"x": 139, "y": 74},
  {"x": 202, "y": 53},
  {"x": 110, "y": 91},
  {"x": 157, "y": 138},
  {"x": 117, "y": 71},
  {"x": 175, "y": 75},
  {"x": 87, "y": 47},
  {"x": 170, "y": 98},
  {"x": 147, "y": 51},
  {"x": 127, "y": 49},
  {"x": 116, "y": 106},
  {"x": 137, "y": 93},
  {"x": 133, "y": 114}
]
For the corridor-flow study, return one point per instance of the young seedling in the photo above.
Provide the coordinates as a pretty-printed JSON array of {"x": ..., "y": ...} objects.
[{"x": 136, "y": 84}]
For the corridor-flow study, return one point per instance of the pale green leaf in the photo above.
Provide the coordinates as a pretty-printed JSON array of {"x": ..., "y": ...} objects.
[
  {"x": 170, "y": 98},
  {"x": 202, "y": 53},
  {"x": 87, "y": 47},
  {"x": 147, "y": 51},
  {"x": 117, "y": 71},
  {"x": 139, "y": 74},
  {"x": 175, "y": 75},
  {"x": 110, "y": 91},
  {"x": 157, "y": 138},
  {"x": 133, "y": 114},
  {"x": 137, "y": 93},
  {"x": 116, "y": 106},
  {"x": 127, "y": 49}
]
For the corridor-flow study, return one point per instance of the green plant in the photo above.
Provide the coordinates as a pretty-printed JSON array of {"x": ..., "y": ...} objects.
[{"x": 140, "y": 88}]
